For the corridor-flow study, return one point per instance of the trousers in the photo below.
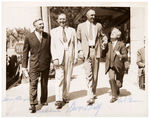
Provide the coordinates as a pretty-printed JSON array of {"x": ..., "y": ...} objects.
[
  {"x": 115, "y": 80},
  {"x": 91, "y": 67},
  {"x": 63, "y": 77},
  {"x": 34, "y": 76}
]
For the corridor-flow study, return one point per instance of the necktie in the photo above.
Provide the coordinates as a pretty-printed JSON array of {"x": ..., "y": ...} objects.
[
  {"x": 64, "y": 35},
  {"x": 90, "y": 32}
]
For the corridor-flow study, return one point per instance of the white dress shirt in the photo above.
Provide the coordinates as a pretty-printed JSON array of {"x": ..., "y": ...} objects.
[
  {"x": 114, "y": 43},
  {"x": 38, "y": 35}
]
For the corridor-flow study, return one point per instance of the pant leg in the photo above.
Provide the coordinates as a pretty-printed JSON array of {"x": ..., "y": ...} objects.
[
  {"x": 119, "y": 79},
  {"x": 88, "y": 67},
  {"x": 95, "y": 68},
  {"x": 33, "y": 87},
  {"x": 112, "y": 82},
  {"x": 95, "y": 74},
  {"x": 44, "y": 88},
  {"x": 68, "y": 67},
  {"x": 59, "y": 81}
]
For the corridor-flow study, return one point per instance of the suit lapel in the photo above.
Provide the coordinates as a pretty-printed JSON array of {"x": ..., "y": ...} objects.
[
  {"x": 35, "y": 38},
  {"x": 95, "y": 31},
  {"x": 59, "y": 34},
  {"x": 85, "y": 28},
  {"x": 112, "y": 54},
  {"x": 68, "y": 34},
  {"x": 116, "y": 46},
  {"x": 43, "y": 42}
]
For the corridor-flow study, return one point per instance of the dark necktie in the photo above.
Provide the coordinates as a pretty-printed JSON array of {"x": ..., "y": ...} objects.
[{"x": 64, "y": 35}]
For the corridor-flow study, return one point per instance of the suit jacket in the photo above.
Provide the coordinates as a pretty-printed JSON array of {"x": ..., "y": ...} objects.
[
  {"x": 57, "y": 43},
  {"x": 112, "y": 59},
  {"x": 82, "y": 35},
  {"x": 141, "y": 57},
  {"x": 40, "y": 56},
  {"x": 141, "y": 61}
]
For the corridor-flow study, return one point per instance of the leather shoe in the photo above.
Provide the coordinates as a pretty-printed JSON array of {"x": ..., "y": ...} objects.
[
  {"x": 66, "y": 100},
  {"x": 91, "y": 101},
  {"x": 33, "y": 109},
  {"x": 44, "y": 104},
  {"x": 59, "y": 104},
  {"x": 95, "y": 97},
  {"x": 113, "y": 100}
]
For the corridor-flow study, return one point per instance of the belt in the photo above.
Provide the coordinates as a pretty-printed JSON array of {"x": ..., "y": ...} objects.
[{"x": 91, "y": 46}]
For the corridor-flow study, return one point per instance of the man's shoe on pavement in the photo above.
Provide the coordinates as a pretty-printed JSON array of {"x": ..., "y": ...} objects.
[
  {"x": 113, "y": 100},
  {"x": 90, "y": 101},
  {"x": 95, "y": 97},
  {"x": 44, "y": 104},
  {"x": 33, "y": 109},
  {"x": 59, "y": 104},
  {"x": 66, "y": 100}
]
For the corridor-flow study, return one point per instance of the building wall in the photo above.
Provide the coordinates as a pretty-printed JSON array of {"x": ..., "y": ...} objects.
[
  {"x": 138, "y": 35},
  {"x": 19, "y": 15}
]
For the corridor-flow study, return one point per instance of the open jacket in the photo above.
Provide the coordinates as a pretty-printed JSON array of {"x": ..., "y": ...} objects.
[
  {"x": 117, "y": 61},
  {"x": 82, "y": 36},
  {"x": 57, "y": 44}
]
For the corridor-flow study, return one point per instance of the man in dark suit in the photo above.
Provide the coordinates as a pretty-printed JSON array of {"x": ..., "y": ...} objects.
[
  {"x": 38, "y": 44},
  {"x": 115, "y": 58},
  {"x": 91, "y": 37}
]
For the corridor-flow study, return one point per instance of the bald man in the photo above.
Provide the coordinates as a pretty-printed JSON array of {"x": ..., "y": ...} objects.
[
  {"x": 92, "y": 40},
  {"x": 64, "y": 54}
]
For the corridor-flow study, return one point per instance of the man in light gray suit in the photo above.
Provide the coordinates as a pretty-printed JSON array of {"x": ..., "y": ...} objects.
[
  {"x": 92, "y": 40},
  {"x": 64, "y": 54}
]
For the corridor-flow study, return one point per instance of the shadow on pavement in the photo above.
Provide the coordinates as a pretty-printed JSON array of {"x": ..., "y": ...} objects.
[
  {"x": 49, "y": 100},
  {"x": 77, "y": 94},
  {"x": 101, "y": 91},
  {"x": 124, "y": 92},
  {"x": 82, "y": 93}
]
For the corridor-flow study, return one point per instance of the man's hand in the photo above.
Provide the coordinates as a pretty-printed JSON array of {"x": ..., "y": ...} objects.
[
  {"x": 25, "y": 71},
  {"x": 56, "y": 63},
  {"x": 75, "y": 60},
  {"x": 104, "y": 42},
  {"x": 103, "y": 46},
  {"x": 80, "y": 54},
  {"x": 118, "y": 54}
]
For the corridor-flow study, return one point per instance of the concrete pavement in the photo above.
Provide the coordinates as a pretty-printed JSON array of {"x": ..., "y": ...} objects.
[{"x": 132, "y": 100}]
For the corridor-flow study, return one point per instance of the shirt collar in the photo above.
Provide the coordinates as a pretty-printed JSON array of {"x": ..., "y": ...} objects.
[
  {"x": 87, "y": 21},
  {"x": 62, "y": 27},
  {"x": 37, "y": 33},
  {"x": 114, "y": 42}
]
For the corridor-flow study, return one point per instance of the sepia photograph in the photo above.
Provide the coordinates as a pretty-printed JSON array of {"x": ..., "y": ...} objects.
[{"x": 74, "y": 59}]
